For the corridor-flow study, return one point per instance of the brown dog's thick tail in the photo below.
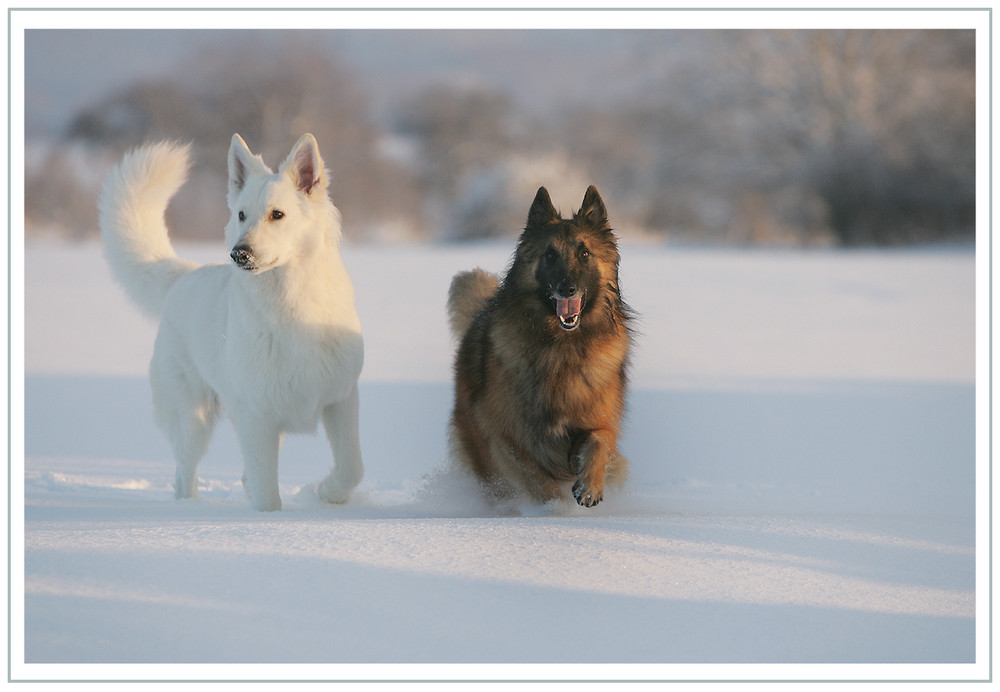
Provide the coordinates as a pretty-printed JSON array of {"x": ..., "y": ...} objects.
[{"x": 468, "y": 294}]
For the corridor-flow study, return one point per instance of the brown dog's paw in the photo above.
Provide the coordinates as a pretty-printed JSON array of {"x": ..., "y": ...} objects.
[{"x": 585, "y": 495}]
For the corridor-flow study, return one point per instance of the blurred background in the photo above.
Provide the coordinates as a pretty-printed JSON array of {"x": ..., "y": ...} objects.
[{"x": 748, "y": 137}]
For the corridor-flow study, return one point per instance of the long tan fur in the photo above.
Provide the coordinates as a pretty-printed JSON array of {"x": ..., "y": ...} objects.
[{"x": 541, "y": 369}]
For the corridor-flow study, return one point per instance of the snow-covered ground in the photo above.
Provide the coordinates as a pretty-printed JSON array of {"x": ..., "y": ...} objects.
[{"x": 803, "y": 444}]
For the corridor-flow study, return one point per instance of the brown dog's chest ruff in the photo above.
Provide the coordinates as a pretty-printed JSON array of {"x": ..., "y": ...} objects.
[{"x": 572, "y": 387}]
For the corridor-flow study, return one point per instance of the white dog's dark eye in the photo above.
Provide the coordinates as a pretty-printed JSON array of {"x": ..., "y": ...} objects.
[
  {"x": 243, "y": 217},
  {"x": 277, "y": 215}
]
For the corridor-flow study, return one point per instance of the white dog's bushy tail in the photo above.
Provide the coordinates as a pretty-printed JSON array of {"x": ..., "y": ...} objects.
[{"x": 133, "y": 227}]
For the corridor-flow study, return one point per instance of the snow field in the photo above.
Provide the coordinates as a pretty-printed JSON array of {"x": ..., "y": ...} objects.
[{"x": 802, "y": 438}]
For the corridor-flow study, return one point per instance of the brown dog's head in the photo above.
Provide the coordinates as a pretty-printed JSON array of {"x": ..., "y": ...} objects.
[{"x": 570, "y": 265}]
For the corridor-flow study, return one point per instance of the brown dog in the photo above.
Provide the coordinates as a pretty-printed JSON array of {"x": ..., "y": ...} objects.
[{"x": 541, "y": 370}]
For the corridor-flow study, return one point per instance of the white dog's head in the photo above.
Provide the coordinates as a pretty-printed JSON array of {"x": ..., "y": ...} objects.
[{"x": 275, "y": 218}]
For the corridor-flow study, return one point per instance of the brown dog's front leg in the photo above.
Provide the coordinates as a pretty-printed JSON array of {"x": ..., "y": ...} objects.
[{"x": 590, "y": 456}]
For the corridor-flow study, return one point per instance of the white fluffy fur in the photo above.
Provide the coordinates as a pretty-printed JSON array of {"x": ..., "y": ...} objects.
[{"x": 276, "y": 344}]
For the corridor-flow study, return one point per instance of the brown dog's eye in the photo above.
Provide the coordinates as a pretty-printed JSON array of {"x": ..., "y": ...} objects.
[{"x": 277, "y": 215}]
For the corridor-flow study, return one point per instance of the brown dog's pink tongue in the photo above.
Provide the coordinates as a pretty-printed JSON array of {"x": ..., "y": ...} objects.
[{"x": 568, "y": 307}]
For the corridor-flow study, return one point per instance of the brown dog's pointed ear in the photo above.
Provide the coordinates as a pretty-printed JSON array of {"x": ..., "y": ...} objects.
[
  {"x": 592, "y": 210},
  {"x": 542, "y": 212}
]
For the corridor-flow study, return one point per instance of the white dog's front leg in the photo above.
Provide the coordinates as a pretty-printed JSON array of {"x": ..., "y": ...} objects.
[
  {"x": 341, "y": 423},
  {"x": 260, "y": 443}
]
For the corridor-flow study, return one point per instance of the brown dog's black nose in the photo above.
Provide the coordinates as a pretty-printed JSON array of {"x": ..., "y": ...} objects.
[
  {"x": 243, "y": 256},
  {"x": 566, "y": 288}
]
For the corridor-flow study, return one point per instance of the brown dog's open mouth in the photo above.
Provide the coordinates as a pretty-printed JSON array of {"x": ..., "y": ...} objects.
[{"x": 568, "y": 311}]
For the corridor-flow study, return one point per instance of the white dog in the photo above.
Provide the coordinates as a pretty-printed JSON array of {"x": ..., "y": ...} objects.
[{"x": 272, "y": 337}]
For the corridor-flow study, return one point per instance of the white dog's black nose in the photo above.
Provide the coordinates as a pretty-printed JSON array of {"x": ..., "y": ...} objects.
[{"x": 243, "y": 256}]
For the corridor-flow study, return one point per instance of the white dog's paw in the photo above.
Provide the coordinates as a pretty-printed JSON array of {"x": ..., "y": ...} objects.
[
  {"x": 262, "y": 500},
  {"x": 333, "y": 492},
  {"x": 266, "y": 502},
  {"x": 182, "y": 492}
]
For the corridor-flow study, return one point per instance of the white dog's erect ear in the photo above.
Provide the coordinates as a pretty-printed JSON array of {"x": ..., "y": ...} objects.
[
  {"x": 240, "y": 157},
  {"x": 242, "y": 164},
  {"x": 305, "y": 166}
]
